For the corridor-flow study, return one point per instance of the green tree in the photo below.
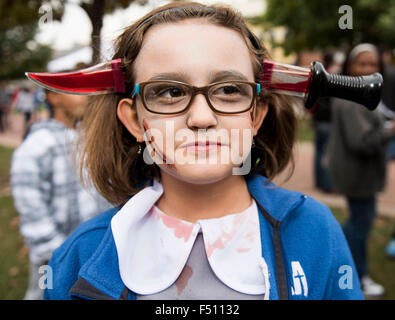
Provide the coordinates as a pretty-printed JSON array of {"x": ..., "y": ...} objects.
[
  {"x": 19, "y": 52},
  {"x": 21, "y": 12},
  {"x": 315, "y": 24},
  {"x": 18, "y": 49},
  {"x": 15, "y": 13}
]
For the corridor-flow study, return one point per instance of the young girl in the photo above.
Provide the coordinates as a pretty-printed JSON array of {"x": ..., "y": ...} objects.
[{"x": 187, "y": 156}]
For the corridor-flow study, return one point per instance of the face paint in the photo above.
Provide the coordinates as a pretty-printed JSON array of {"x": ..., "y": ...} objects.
[{"x": 155, "y": 149}]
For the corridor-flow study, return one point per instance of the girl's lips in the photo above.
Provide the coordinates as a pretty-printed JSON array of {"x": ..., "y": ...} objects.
[{"x": 202, "y": 146}]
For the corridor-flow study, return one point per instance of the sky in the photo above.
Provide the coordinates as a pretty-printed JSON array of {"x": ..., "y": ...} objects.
[{"x": 75, "y": 27}]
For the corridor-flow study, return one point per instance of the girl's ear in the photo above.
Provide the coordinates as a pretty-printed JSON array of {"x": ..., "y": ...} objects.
[
  {"x": 260, "y": 113},
  {"x": 127, "y": 114}
]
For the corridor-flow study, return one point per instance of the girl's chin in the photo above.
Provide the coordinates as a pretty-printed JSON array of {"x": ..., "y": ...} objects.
[{"x": 198, "y": 173}]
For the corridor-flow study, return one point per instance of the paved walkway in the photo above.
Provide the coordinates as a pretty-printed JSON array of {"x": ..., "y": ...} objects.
[
  {"x": 302, "y": 179},
  {"x": 12, "y": 137}
]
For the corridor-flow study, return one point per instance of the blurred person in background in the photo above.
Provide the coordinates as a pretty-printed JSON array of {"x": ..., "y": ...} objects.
[
  {"x": 390, "y": 248},
  {"x": 45, "y": 186},
  {"x": 357, "y": 154},
  {"x": 4, "y": 107},
  {"x": 24, "y": 102},
  {"x": 321, "y": 115}
]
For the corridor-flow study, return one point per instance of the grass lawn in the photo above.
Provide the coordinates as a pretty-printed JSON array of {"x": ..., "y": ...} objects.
[{"x": 14, "y": 255}]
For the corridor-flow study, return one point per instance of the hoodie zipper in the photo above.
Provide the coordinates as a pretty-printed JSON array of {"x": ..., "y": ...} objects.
[{"x": 281, "y": 277}]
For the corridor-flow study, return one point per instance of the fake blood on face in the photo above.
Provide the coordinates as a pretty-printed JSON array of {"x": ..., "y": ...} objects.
[{"x": 151, "y": 142}]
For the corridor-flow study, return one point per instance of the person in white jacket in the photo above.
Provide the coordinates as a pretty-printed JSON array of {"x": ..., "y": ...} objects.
[
  {"x": 24, "y": 103},
  {"x": 45, "y": 185}
]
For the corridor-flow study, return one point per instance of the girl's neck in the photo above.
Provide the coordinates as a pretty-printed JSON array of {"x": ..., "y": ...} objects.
[{"x": 192, "y": 202}]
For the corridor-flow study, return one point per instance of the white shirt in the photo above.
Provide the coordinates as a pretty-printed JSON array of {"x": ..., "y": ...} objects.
[{"x": 154, "y": 247}]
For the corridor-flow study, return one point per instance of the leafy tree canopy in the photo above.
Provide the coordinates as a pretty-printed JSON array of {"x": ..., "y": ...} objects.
[
  {"x": 314, "y": 25},
  {"x": 19, "y": 52},
  {"x": 19, "y": 21},
  {"x": 21, "y": 12}
]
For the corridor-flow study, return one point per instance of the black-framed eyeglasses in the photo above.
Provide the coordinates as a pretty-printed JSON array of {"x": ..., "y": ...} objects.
[{"x": 172, "y": 97}]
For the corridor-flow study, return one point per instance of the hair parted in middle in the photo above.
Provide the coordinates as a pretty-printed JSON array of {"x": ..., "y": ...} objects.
[{"x": 109, "y": 153}]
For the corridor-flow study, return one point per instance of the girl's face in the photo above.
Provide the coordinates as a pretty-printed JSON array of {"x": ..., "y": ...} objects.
[
  {"x": 199, "y": 145},
  {"x": 365, "y": 63}
]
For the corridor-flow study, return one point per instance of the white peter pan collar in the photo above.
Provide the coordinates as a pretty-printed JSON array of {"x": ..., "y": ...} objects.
[{"x": 153, "y": 247}]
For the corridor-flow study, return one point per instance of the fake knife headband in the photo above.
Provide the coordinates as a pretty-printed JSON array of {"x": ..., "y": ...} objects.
[{"x": 308, "y": 84}]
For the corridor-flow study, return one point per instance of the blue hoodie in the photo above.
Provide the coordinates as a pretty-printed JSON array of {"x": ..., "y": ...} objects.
[{"x": 303, "y": 245}]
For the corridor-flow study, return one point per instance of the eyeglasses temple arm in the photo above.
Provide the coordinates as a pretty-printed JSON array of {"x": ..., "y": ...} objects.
[{"x": 136, "y": 90}]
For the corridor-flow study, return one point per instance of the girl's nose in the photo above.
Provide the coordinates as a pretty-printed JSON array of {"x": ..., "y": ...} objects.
[{"x": 200, "y": 115}]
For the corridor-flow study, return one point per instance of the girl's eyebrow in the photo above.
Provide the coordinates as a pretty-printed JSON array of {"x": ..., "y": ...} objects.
[
  {"x": 214, "y": 77},
  {"x": 227, "y": 75},
  {"x": 177, "y": 76}
]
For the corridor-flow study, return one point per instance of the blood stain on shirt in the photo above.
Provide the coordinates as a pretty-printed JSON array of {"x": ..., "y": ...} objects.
[
  {"x": 180, "y": 228},
  {"x": 183, "y": 279},
  {"x": 225, "y": 237}
]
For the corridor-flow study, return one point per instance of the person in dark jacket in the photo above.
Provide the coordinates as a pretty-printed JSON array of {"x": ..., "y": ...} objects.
[
  {"x": 321, "y": 116},
  {"x": 357, "y": 161}
]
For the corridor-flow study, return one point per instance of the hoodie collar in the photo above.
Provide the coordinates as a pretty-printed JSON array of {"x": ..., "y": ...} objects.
[{"x": 277, "y": 202}]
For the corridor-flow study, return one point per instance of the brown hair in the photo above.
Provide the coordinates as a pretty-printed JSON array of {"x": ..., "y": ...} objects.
[{"x": 109, "y": 152}]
